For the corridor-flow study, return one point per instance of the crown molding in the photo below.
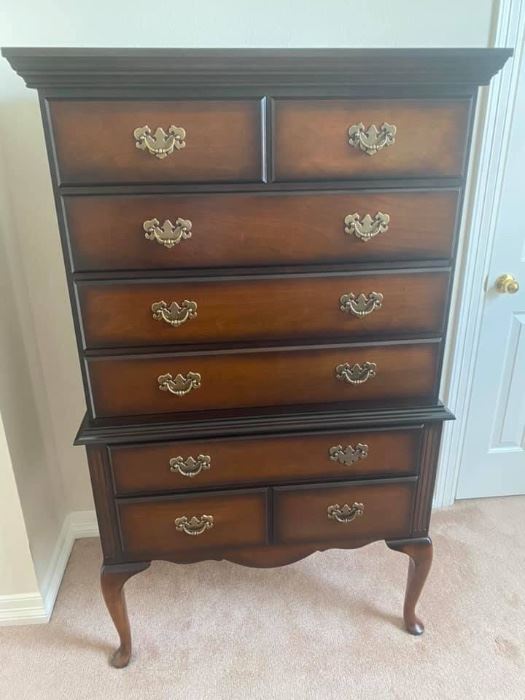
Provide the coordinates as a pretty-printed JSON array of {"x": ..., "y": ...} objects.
[{"x": 71, "y": 68}]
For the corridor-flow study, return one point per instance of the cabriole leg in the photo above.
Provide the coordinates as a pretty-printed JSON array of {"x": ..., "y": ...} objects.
[
  {"x": 112, "y": 580},
  {"x": 420, "y": 561}
]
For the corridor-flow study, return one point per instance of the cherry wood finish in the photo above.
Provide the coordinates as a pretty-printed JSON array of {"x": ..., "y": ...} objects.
[
  {"x": 420, "y": 554},
  {"x": 300, "y": 512},
  {"x": 231, "y": 230},
  {"x": 311, "y": 138},
  {"x": 120, "y": 314},
  {"x": 275, "y": 377},
  {"x": 95, "y": 143},
  {"x": 274, "y": 459},
  {"x": 240, "y": 519},
  {"x": 267, "y": 178},
  {"x": 112, "y": 580}
]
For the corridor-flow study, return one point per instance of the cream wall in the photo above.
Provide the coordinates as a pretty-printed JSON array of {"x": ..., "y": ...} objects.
[
  {"x": 16, "y": 565},
  {"x": 45, "y": 408}
]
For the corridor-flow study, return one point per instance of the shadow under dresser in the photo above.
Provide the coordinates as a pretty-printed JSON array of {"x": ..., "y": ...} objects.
[{"x": 259, "y": 247}]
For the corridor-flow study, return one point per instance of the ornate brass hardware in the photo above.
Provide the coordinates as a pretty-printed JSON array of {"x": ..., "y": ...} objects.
[
  {"x": 361, "y": 305},
  {"x": 356, "y": 374},
  {"x": 160, "y": 144},
  {"x": 346, "y": 513},
  {"x": 181, "y": 384},
  {"x": 168, "y": 234},
  {"x": 507, "y": 284},
  {"x": 349, "y": 455},
  {"x": 174, "y": 314},
  {"x": 371, "y": 140},
  {"x": 368, "y": 228},
  {"x": 195, "y": 525},
  {"x": 190, "y": 466}
]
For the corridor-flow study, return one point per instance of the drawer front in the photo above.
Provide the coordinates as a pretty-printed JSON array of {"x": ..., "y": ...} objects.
[
  {"x": 350, "y": 306},
  {"x": 343, "y": 512},
  {"x": 271, "y": 377},
  {"x": 315, "y": 139},
  {"x": 194, "y": 464},
  {"x": 164, "y": 526},
  {"x": 231, "y": 230},
  {"x": 96, "y": 142}
]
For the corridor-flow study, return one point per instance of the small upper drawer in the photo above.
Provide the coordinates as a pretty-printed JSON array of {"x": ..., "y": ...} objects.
[
  {"x": 142, "y": 313},
  {"x": 344, "y": 139},
  {"x": 231, "y": 230},
  {"x": 192, "y": 464},
  {"x": 188, "y": 141}
]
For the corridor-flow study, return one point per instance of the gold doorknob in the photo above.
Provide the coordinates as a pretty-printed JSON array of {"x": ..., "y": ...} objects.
[{"x": 507, "y": 284}]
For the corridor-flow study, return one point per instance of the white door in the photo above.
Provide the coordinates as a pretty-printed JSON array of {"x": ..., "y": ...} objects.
[{"x": 493, "y": 456}]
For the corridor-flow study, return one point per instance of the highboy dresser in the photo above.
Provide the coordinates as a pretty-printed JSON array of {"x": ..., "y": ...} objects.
[{"x": 259, "y": 248}]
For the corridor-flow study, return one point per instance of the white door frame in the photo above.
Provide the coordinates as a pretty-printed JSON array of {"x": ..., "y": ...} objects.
[{"x": 486, "y": 181}]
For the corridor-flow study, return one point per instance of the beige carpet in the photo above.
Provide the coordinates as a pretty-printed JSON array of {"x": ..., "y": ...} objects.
[{"x": 326, "y": 627}]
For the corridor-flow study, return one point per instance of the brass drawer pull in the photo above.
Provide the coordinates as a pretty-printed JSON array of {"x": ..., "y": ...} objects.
[
  {"x": 346, "y": 513},
  {"x": 168, "y": 234},
  {"x": 190, "y": 466},
  {"x": 195, "y": 525},
  {"x": 361, "y": 305},
  {"x": 174, "y": 314},
  {"x": 349, "y": 455},
  {"x": 181, "y": 385},
  {"x": 356, "y": 374},
  {"x": 371, "y": 140},
  {"x": 368, "y": 228},
  {"x": 160, "y": 144}
]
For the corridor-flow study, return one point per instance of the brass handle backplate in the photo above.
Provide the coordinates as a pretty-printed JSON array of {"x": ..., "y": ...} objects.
[
  {"x": 371, "y": 140},
  {"x": 356, "y": 374},
  {"x": 195, "y": 525},
  {"x": 174, "y": 314},
  {"x": 346, "y": 513},
  {"x": 181, "y": 385},
  {"x": 160, "y": 144},
  {"x": 362, "y": 304},
  {"x": 168, "y": 234},
  {"x": 507, "y": 284},
  {"x": 349, "y": 455},
  {"x": 367, "y": 228},
  {"x": 190, "y": 466}
]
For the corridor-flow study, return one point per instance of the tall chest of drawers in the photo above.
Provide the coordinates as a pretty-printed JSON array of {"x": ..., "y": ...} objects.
[{"x": 259, "y": 247}]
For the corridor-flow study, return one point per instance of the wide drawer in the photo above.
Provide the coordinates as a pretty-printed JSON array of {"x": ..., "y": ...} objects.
[
  {"x": 187, "y": 465},
  {"x": 343, "y": 512},
  {"x": 231, "y": 230},
  {"x": 127, "y": 314},
  {"x": 97, "y": 142},
  {"x": 340, "y": 139},
  {"x": 160, "y": 526},
  {"x": 253, "y": 378}
]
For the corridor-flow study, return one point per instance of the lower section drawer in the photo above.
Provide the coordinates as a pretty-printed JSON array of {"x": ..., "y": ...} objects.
[
  {"x": 343, "y": 512},
  {"x": 160, "y": 526},
  {"x": 192, "y": 464},
  {"x": 123, "y": 386}
]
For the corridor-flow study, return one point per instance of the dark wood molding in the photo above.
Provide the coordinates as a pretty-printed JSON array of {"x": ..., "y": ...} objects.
[
  {"x": 258, "y": 423},
  {"x": 74, "y": 68}
]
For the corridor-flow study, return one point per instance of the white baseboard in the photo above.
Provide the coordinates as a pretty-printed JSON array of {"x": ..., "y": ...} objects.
[
  {"x": 35, "y": 608},
  {"x": 22, "y": 609}
]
